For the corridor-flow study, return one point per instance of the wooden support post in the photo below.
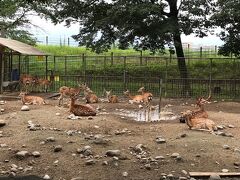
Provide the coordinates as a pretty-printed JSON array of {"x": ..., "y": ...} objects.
[{"x": 1, "y": 68}]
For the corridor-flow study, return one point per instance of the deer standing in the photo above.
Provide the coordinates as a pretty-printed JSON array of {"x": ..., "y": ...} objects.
[
  {"x": 67, "y": 92},
  {"x": 44, "y": 84},
  {"x": 35, "y": 100},
  {"x": 81, "y": 110},
  {"x": 111, "y": 98},
  {"x": 26, "y": 81}
]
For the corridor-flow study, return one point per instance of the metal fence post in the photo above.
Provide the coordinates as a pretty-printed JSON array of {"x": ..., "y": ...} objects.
[
  {"x": 166, "y": 77},
  {"x": 124, "y": 79},
  {"x": 124, "y": 72},
  {"x": 160, "y": 96},
  {"x": 210, "y": 77},
  {"x": 54, "y": 63},
  {"x": 84, "y": 66},
  {"x": 201, "y": 52},
  {"x": 111, "y": 58},
  {"x": 124, "y": 61},
  {"x": 46, "y": 70},
  {"x": 141, "y": 56}
]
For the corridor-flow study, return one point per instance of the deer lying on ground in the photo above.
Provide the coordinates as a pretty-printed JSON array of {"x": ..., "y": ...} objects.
[
  {"x": 134, "y": 99},
  {"x": 199, "y": 123},
  {"x": 89, "y": 95},
  {"x": 67, "y": 92},
  {"x": 35, "y": 100},
  {"x": 111, "y": 98},
  {"x": 147, "y": 96},
  {"x": 200, "y": 112},
  {"x": 81, "y": 110}
]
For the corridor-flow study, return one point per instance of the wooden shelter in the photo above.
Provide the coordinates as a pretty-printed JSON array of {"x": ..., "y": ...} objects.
[{"x": 9, "y": 47}]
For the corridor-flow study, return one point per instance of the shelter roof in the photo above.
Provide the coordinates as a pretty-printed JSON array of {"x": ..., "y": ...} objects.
[{"x": 20, "y": 47}]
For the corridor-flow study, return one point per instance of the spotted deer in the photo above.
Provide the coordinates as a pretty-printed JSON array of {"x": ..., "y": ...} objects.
[
  {"x": 89, "y": 95},
  {"x": 81, "y": 110},
  {"x": 43, "y": 84},
  {"x": 111, "y": 98},
  {"x": 67, "y": 92},
  {"x": 200, "y": 112},
  {"x": 134, "y": 99},
  {"x": 26, "y": 81},
  {"x": 35, "y": 100},
  {"x": 199, "y": 123},
  {"x": 147, "y": 96}
]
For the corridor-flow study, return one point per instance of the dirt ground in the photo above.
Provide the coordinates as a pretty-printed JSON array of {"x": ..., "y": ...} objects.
[{"x": 199, "y": 151}]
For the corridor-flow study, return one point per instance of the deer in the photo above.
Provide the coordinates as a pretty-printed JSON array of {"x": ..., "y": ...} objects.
[
  {"x": 35, "y": 100},
  {"x": 44, "y": 84},
  {"x": 67, "y": 92},
  {"x": 199, "y": 123},
  {"x": 134, "y": 99},
  {"x": 26, "y": 81},
  {"x": 89, "y": 95},
  {"x": 111, "y": 98},
  {"x": 200, "y": 112},
  {"x": 147, "y": 96},
  {"x": 81, "y": 110}
]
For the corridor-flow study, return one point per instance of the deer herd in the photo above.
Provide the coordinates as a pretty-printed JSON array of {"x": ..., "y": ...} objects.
[{"x": 195, "y": 119}]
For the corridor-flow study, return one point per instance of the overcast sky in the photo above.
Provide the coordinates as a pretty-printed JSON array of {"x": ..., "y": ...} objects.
[{"x": 55, "y": 33}]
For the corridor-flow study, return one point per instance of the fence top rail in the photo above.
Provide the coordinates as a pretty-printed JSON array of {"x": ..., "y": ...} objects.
[{"x": 144, "y": 56}]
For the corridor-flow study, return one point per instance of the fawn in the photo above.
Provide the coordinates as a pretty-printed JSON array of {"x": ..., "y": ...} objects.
[
  {"x": 136, "y": 98},
  {"x": 31, "y": 99},
  {"x": 147, "y": 96},
  {"x": 111, "y": 98},
  {"x": 81, "y": 110},
  {"x": 199, "y": 123},
  {"x": 67, "y": 92},
  {"x": 89, "y": 95}
]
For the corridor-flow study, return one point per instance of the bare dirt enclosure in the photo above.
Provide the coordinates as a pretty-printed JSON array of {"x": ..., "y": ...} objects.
[{"x": 146, "y": 150}]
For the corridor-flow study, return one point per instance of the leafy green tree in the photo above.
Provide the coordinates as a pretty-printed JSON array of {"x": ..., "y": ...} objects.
[
  {"x": 13, "y": 20},
  {"x": 228, "y": 18},
  {"x": 143, "y": 24}
]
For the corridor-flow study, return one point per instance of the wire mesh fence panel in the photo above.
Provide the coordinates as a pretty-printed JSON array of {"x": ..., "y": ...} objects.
[{"x": 118, "y": 73}]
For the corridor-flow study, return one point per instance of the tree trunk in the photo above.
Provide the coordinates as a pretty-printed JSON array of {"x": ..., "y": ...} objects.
[
  {"x": 182, "y": 65},
  {"x": 173, "y": 15}
]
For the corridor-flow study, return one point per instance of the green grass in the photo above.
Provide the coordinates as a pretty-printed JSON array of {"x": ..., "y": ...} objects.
[{"x": 68, "y": 50}]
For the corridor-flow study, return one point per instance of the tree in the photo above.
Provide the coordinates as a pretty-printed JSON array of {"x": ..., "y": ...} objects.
[
  {"x": 228, "y": 18},
  {"x": 13, "y": 19},
  {"x": 144, "y": 24}
]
